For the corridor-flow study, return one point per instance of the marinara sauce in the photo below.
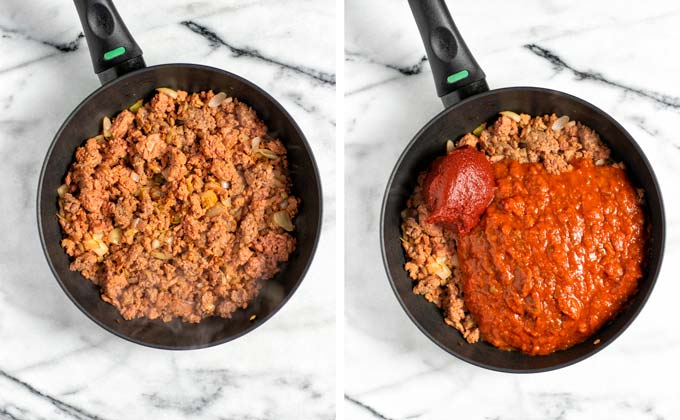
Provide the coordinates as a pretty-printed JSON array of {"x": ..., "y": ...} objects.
[{"x": 554, "y": 257}]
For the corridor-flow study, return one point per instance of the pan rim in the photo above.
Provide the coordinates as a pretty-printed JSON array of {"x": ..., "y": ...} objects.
[
  {"x": 272, "y": 101},
  {"x": 652, "y": 274}
]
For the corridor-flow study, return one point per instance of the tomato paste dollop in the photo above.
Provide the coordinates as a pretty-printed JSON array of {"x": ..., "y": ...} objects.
[{"x": 458, "y": 188}]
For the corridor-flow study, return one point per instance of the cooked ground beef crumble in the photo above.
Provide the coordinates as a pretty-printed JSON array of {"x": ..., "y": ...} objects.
[{"x": 181, "y": 208}]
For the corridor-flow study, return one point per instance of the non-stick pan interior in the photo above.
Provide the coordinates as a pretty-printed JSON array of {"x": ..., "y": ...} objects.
[
  {"x": 430, "y": 143},
  {"x": 85, "y": 122}
]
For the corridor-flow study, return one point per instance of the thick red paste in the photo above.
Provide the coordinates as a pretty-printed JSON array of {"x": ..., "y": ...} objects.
[{"x": 458, "y": 188}]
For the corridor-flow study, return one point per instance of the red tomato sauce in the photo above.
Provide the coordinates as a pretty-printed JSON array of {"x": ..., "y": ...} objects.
[
  {"x": 554, "y": 257},
  {"x": 458, "y": 188}
]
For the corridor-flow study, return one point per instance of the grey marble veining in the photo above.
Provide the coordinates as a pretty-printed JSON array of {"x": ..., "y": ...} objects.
[
  {"x": 54, "y": 362},
  {"x": 619, "y": 56}
]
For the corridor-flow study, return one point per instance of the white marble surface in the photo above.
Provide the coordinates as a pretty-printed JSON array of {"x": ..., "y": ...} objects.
[
  {"x": 621, "y": 57},
  {"x": 57, "y": 364}
]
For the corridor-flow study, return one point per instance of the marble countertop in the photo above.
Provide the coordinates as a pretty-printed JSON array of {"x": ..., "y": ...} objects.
[
  {"x": 57, "y": 364},
  {"x": 620, "y": 56}
]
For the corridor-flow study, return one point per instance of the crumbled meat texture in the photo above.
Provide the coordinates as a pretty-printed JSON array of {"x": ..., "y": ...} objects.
[
  {"x": 120, "y": 126},
  {"x": 428, "y": 247},
  {"x": 172, "y": 216},
  {"x": 534, "y": 140}
]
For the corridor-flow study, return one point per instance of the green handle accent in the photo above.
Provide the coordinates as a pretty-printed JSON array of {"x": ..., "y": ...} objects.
[
  {"x": 455, "y": 77},
  {"x": 110, "y": 55}
]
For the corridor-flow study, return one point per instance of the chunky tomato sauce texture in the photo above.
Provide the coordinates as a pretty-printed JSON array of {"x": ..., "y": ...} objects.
[
  {"x": 554, "y": 257},
  {"x": 458, "y": 188}
]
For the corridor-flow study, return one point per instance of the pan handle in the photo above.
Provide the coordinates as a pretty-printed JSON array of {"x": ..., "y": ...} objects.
[
  {"x": 113, "y": 50},
  {"x": 456, "y": 73}
]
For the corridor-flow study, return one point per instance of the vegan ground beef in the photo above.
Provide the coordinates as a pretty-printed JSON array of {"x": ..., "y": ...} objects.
[{"x": 180, "y": 208}]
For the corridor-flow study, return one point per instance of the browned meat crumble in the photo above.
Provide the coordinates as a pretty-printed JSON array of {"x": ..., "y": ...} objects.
[{"x": 181, "y": 208}]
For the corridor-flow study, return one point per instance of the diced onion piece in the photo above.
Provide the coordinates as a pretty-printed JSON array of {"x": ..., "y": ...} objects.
[
  {"x": 115, "y": 236},
  {"x": 130, "y": 232},
  {"x": 63, "y": 189},
  {"x": 450, "y": 146},
  {"x": 135, "y": 222},
  {"x": 282, "y": 219},
  {"x": 208, "y": 199},
  {"x": 90, "y": 244},
  {"x": 216, "y": 100},
  {"x": 160, "y": 255},
  {"x": 478, "y": 130},
  {"x": 444, "y": 272},
  {"x": 212, "y": 185},
  {"x": 155, "y": 193},
  {"x": 255, "y": 143},
  {"x": 215, "y": 210},
  {"x": 101, "y": 249},
  {"x": 135, "y": 176},
  {"x": 171, "y": 93},
  {"x": 439, "y": 269},
  {"x": 172, "y": 133},
  {"x": 106, "y": 127},
  {"x": 135, "y": 107},
  {"x": 560, "y": 123},
  {"x": 225, "y": 184},
  {"x": 155, "y": 244},
  {"x": 96, "y": 245},
  {"x": 278, "y": 178},
  {"x": 267, "y": 153},
  {"x": 512, "y": 115}
]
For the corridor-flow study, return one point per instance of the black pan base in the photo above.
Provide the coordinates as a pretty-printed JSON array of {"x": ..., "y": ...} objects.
[
  {"x": 85, "y": 122},
  {"x": 429, "y": 143}
]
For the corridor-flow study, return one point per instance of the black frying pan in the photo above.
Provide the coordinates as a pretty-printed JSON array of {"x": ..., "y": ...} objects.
[
  {"x": 118, "y": 62},
  {"x": 462, "y": 87}
]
